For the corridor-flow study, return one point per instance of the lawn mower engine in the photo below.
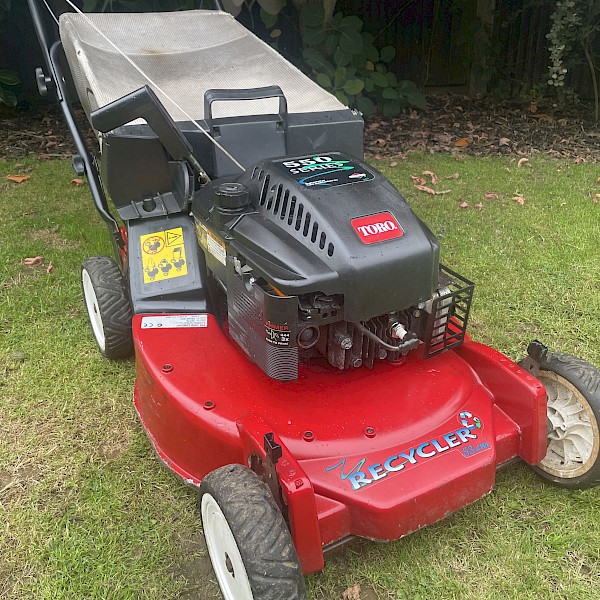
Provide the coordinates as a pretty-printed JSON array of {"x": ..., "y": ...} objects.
[{"x": 320, "y": 256}]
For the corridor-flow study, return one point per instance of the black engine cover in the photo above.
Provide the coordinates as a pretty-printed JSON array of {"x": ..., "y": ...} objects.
[{"x": 330, "y": 224}]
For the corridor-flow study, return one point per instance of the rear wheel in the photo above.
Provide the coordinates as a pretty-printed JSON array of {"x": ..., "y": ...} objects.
[
  {"x": 573, "y": 389},
  {"x": 249, "y": 544},
  {"x": 108, "y": 306}
]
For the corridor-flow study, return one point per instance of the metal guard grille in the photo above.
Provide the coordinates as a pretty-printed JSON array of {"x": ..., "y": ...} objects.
[{"x": 449, "y": 315}]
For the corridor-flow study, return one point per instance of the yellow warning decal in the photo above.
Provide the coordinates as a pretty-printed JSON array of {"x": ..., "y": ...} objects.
[{"x": 163, "y": 255}]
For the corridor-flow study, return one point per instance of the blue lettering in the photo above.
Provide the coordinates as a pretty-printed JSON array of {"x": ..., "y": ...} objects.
[
  {"x": 421, "y": 451},
  {"x": 451, "y": 440},
  {"x": 465, "y": 434},
  {"x": 358, "y": 480},
  {"x": 410, "y": 457},
  {"x": 387, "y": 465},
  {"x": 377, "y": 471},
  {"x": 437, "y": 446}
]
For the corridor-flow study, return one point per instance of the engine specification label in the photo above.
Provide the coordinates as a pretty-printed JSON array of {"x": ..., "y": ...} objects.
[
  {"x": 325, "y": 171},
  {"x": 163, "y": 255},
  {"x": 174, "y": 321}
]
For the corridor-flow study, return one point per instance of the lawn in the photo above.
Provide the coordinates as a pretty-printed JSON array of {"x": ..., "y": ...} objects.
[{"x": 87, "y": 511}]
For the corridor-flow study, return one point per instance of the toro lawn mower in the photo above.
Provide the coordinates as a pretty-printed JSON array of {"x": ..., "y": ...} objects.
[{"x": 302, "y": 356}]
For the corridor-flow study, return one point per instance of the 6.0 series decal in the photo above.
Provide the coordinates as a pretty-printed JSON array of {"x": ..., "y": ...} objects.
[
  {"x": 359, "y": 476},
  {"x": 325, "y": 171}
]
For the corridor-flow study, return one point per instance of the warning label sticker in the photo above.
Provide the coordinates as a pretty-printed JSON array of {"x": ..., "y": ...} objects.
[
  {"x": 163, "y": 255},
  {"x": 174, "y": 321}
]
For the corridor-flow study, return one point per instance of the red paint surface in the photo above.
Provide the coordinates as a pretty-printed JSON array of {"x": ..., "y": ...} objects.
[{"x": 406, "y": 405}]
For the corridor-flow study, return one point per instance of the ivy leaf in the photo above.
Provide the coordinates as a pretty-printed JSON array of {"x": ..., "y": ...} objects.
[
  {"x": 267, "y": 18},
  {"x": 392, "y": 108},
  {"x": 352, "y": 22},
  {"x": 389, "y": 93},
  {"x": 9, "y": 78},
  {"x": 387, "y": 54},
  {"x": 342, "y": 98},
  {"x": 324, "y": 80},
  {"x": 365, "y": 105},
  {"x": 351, "y": 41},
  {"x": 379, "y": 79},
  {"x": 340, "y": 77},
  {"x": 312, "y": 14},
  {"x": 352, "y": 87}
]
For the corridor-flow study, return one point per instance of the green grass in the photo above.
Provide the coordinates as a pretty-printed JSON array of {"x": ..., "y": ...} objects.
[{"x": 86, "y": 510}]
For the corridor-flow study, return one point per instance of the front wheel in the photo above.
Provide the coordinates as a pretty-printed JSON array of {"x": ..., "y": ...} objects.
[
  {"x": 573, "y": 389},
  {"x": 249, "y": 544}
]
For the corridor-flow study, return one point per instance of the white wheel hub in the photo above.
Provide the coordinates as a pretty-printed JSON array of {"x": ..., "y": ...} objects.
[
  {"x": 93, "y": 309},
  {"x": 573, "y": 442},
  {"x": 224, "y": 552}
]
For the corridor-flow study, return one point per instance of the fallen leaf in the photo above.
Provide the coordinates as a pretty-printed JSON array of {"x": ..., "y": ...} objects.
[
  {"x": 424, "y": 188},
  {"x": 453, "y": 176},
  {"x": 533, "y": 106},
  {"x": 394, "y": 163},
  {"x": 38, "y": 260},
  {"x": 492, "y": 196},
  {"x": 543, "y": 117},
  {"x": 521, "y": 161},
  {"x": 563, "y": 122},
  {"x": 18, "y": 178},
  {"x": 463, "y": 205},
  {"x": 596, "y": 199},
  {"x": 78, "y": 182},
  {"x": 519, "y": 199},
  {"x": 479, "y": 206},
  {"x": 433, "y": 176},
  {"x": 50, "y": 268},
  {"x": 462, "y": 142},
  {"x": 504, "y": 142},
  {"x": 352, "y": 593},
  {"x": 579, "y": 160},
  {"x": 418, "y": 180}
]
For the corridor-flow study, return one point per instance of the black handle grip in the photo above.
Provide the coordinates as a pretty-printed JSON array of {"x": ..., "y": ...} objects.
[
  {"x": 144, "y": 104},
  {"x": 272, "y": 91}
]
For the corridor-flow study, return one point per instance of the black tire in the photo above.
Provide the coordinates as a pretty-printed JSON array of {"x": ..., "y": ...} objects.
[
  {"x": 108, "y": 306},
  {"x": 268, "y": 557},
  {"x": 573, "y": 388}
]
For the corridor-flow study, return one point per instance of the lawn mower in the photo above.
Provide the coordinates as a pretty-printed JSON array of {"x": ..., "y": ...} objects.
[{"x": 302, "y": 356}]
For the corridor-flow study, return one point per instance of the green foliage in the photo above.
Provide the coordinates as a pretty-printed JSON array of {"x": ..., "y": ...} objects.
[
  {"x": 9, "y": 85},
  {"x": 345, "y": 61},
  {"x": 572, "y": 38}
]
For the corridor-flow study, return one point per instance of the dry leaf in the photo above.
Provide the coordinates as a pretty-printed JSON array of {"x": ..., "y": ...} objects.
[
  {"x": 38, "y": 260},
  {"x": 533, "y": 106},
  {"x": 463, "y": 205},
  {"x": 596, "y": 199},
  {"x": 521, "y": 161},
  {"x": 418, "y": 180},
  {"x": 579, "y": 160},
  {"x": 504, "y": 142},
  {"x": 50, "y": 268},
  {"x": 78, "y": 182},
  {"x": 352, "y": 593},
  {"x": 424, "y": 188},
  {"x": 479, "y": 206},
  {"x": 453, "y": 176},
  {"x": 18, "y": 178},
  {"x": 462, "y": 142},
  {"x": 519, "y": 199},
  {"x": 433, "y": 176},
  {"x": 394, "y": 163},
  {"x": 563, "y": 122},
  {"x": 543, "y": 117},
  {"x": 492, "y": 196}
]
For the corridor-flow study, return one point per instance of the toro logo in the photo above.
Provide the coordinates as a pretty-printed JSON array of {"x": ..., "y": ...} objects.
[{"x": 377, "y": 228}]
